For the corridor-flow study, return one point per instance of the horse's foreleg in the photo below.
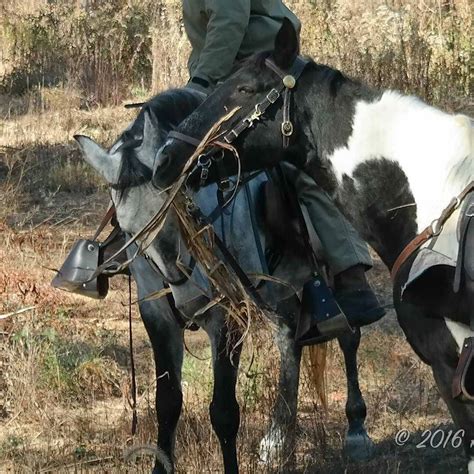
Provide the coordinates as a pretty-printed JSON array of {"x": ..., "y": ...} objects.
[
  {"x": 224, "y": 409},
  {"x": 357, "y": 446},
  {"x": 279, "y": 443},
  {"x": 167, "y": 341}
]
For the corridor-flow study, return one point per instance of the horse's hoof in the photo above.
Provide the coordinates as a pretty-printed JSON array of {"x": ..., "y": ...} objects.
[{"x": 359, "y": 447}]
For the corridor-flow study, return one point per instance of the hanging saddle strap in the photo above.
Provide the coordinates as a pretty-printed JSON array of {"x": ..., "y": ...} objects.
[{"x": 105, "y": 220}]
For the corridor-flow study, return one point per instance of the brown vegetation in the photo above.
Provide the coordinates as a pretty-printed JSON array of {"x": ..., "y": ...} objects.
[{"x": 64, "y": 384}]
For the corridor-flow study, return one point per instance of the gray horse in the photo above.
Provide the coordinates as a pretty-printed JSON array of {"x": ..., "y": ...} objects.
[{"x": 127, "y": 168}]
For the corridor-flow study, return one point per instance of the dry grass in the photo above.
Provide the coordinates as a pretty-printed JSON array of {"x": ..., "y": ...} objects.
[{"x": 64, "y": 382}]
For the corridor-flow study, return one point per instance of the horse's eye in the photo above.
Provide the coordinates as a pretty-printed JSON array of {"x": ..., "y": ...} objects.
[{"x": 246, "y": 89}]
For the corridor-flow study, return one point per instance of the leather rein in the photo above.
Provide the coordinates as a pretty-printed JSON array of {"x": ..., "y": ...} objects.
[{"x": 215, "y": 153}]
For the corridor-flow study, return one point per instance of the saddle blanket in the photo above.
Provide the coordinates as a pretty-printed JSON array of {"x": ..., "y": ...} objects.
[{"x": 235, "y": 228}]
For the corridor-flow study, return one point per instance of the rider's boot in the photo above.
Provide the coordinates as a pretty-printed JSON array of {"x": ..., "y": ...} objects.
[
  {"x": 321, "y": 319},
  {"x": 356, "y": 298}
]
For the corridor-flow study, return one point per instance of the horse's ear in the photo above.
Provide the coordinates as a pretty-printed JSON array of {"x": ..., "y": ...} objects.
[
  {"x": 103, "y": 162},
  {"x": 287, "y": 45},
  {"x": 151, "y": 139}
]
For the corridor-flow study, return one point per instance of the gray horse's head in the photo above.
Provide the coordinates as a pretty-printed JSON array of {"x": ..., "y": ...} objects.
[{"x": 127, "y": 167}]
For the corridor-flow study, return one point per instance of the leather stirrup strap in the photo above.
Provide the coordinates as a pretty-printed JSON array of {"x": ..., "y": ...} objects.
[{"x": 105, "y": 220}]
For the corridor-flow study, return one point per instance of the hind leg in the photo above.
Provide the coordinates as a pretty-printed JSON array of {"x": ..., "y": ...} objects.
[
  {"x": 279, "y": 443},
  {"x": 357, "y": 445},
  {"x": 431, "y": 339}
]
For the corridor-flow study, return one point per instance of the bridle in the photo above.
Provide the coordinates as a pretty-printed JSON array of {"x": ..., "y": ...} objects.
[{"x": 215, "y": 153}]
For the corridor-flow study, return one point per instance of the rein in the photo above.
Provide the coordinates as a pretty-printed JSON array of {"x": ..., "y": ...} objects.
[
  {"x": 433, "y": 230},
  {"x": 216, "y": 150}
]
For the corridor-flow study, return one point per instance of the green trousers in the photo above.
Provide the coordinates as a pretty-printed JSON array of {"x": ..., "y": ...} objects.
[{"x": 342, "y": 245}]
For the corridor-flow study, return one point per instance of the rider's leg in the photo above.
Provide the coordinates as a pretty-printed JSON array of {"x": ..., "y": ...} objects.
[{"x": 346, "y": 253}]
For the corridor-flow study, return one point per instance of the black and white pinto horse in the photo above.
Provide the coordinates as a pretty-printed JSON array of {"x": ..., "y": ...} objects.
[
  {"x": 376, "y": 152},
  {"x": 127, "y": 167}
]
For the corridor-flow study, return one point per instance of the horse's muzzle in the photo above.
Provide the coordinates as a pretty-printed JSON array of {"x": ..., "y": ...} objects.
[{"x": 166, "y": 168}]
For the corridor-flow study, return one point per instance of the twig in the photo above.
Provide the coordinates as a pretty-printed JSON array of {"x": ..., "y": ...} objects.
[{"x": 23, "y": 310}]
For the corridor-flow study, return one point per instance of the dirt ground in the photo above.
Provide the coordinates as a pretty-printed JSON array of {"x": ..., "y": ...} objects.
[{"x": 64, "y": 362}]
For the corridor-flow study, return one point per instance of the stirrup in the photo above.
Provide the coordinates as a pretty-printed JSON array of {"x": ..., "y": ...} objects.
[{"x": 321, "y": 319}]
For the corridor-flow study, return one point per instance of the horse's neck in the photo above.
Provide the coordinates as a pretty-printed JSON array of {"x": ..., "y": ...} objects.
[
  {"x": 433, "y": 148},
  {"x": 371, "y": 200}
]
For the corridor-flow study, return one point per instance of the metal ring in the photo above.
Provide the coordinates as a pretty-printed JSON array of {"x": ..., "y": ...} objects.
[
  {"x": 204, "y": 164},
  {"x": 436, "y": 227}
]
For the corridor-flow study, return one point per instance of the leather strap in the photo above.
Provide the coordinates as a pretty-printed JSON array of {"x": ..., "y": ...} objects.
[
  {"x": 184, "y": 138},
  {"x": 105, "y": 220},
  {"x": 431, "y": 231},
  {"x": 133, "y": 403},
  {"x": 466, "y": 359},
  {"x": 412, "y": 246}
]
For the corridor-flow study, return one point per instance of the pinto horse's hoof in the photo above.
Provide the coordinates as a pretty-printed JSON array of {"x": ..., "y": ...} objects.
[{"x": 358, "y": 447}]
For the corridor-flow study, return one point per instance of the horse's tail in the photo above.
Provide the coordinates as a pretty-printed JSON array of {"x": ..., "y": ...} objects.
[{"x": 314, "y": 361}]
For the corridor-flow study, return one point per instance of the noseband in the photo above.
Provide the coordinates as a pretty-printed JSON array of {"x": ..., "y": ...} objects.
[{"x": 215, "y": 153}]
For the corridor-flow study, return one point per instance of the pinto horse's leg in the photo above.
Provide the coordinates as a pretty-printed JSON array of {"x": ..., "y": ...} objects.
[
  {"x": 434, "y": 343},
  {"x": 357, "y": 446},
  {"x": 224, "y": 409},
  {"x": 279, "y": 443},
  {"x": 461, "y": 411},
  {"x": 166, "y": 338}
]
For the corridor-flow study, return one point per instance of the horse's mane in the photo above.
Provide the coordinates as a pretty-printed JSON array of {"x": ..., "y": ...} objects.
[
  {"x": 332, "y": 78},
  {"x": 168, "y": 109}
]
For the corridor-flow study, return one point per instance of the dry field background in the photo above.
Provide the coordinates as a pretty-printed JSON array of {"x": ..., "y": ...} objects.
[{"x": 67, "y": 67}]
